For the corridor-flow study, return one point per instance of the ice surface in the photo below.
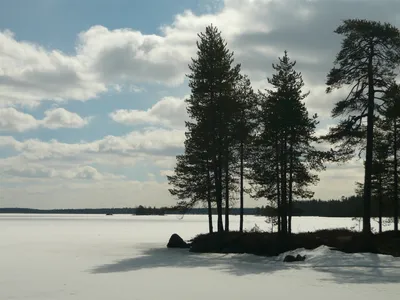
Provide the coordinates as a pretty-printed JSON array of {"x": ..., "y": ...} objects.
[{"x": 124, "y": 257}]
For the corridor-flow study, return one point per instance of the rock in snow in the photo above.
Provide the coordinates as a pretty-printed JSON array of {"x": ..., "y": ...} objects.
[
  {"x": 175, "y": 241},
  {"x": 292, "y": 258}
]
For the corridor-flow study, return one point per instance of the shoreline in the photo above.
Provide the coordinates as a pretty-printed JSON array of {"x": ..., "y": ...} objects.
[{"x": 273, "y": 244}]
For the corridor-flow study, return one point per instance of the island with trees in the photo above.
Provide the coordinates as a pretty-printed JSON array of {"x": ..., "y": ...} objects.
[{"x": 264, "y": 143}]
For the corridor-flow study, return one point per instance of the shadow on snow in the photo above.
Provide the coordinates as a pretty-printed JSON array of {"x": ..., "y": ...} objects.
[
  {"x": 182, "y": 258},
  {"x": 340, "y": 267}
]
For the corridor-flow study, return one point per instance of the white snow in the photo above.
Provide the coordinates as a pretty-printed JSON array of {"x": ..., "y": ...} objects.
[{"x": 85, "y": 257}]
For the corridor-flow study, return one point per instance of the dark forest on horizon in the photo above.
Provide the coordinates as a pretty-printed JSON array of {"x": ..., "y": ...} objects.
[{"x": 345, "y": 207}]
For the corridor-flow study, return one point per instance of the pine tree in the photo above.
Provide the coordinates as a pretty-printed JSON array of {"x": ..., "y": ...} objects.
[
  {"x": 245, "y": 123},
  {"x": 211, "y": 108},
  {"x": 286, "y": 151},
  {"x": 390, "y": 124},
  {"x": 264, "y": 173},
  {"x": 380, "y": 174},
  {"x": 192, "y": 180},
  {"x": 366, "y": 62}
]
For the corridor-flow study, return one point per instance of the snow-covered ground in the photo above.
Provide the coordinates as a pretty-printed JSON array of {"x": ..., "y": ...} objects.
[{"x": 84, "y": 257}]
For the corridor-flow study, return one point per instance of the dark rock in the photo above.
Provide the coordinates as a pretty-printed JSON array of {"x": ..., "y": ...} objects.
[
  {"x": 175, "y": 241},
  {"x": 289, "y": 258},
  {"x": 300, "y": 258},
  {"x": 292, "y": 258}
]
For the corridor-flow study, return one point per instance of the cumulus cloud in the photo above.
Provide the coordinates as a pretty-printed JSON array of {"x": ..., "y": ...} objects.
[
  {"x": 30, "y": 73},
  {"x": 150, "y": 141},
  {"x": 42, "y": 171},
  {"x": 169, "y": 112},
  {"x": 14, "y": 120},
  {"x": 126, "y": 54},
  {"x": 60, "y": 117},
  {"x": 257, "y": 30}
]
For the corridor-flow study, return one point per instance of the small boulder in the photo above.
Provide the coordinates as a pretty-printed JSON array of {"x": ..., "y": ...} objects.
[
  {"x": 289, "y": 258},
  {"x": 292, "y": 258},
  {"x": 300, "y": 258},
  {"x": 175, "y": 241}
]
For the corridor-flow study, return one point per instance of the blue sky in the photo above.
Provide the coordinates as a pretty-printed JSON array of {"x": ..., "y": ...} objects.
[
  {"x": 55, "y": 23},
  {"x": 92, "y": 92},
  {"x": 30, "y": 20}
]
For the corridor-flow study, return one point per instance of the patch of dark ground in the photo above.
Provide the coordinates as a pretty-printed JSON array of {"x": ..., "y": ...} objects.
[{"x": 273, "y": 244}]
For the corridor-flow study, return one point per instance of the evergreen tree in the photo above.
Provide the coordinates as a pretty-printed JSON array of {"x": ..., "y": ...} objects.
[
  {"x": 370, "y": 52},
  {"x": 380, "y": 176},
  {"x": 244, "y": 126},
  {"x": 211, "y": 107},
  {"x": 286, "y": 153},
  {"x": 390, "y": 124},
  {"x": 192, "y": 180},
  {"x": 264, "y": 172}
]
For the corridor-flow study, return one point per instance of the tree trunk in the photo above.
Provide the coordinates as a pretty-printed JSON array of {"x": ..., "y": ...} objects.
[
  {"x": 216, "y": 156},
  {"x": 219, "y": 207},
  {"x": 241, "y": 186},
  {"x": 369, "y": 152},
  {"x": 218, "y": 188},
  {"x": 284, "y": 187},
  {"x": 218, "y": 194},
  {"x": 290, "y": 211},
  {"x": 396, "y": 182},
  {"x": 210, "y": 220},
  {"x": 227, "y": 193},
  {"x": 380, "y": 195},
  {"x": 278, "y": 190}
]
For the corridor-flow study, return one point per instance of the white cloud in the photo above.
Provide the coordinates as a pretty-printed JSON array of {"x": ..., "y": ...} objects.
[
  {"x": 136, "y": 89},
  {"x": 167, "y": 172},
  {"x": 30, "y": 73},
  {"x": 62, "y": 118},
  {"x": 257, "y": 30},
  {"x": 42, "y": 171},
  {"x": 14, "y": 120},
  {"x": 169, "y": 112},
  {"x": 155, "y": 141},
  {"x": 129, "y": 55},
  {"x": 149, "y": 141},
  {"x": 339, "y": 180},
  {"x": 60, "y": 193},
  {"x": 167, "y": 162}
]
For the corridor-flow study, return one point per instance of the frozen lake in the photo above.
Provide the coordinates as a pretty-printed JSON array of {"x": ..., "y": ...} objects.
[{"x": 100, "y": 257}]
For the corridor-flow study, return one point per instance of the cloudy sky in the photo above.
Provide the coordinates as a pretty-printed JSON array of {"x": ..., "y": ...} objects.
[{"x": 91, "y": 92}]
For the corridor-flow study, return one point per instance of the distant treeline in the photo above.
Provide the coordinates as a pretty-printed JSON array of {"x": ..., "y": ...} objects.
[
  {"x": 345, "y": 207},
  {"x": 140, "y": 210}
]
